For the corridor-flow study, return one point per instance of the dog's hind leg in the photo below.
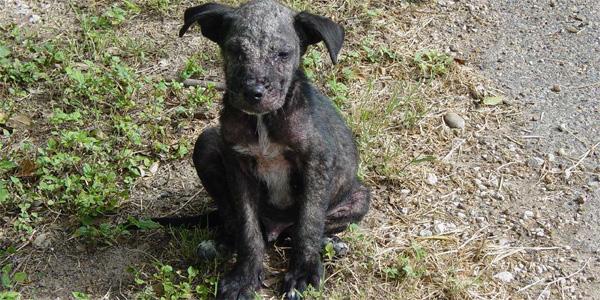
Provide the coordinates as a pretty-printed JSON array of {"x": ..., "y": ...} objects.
[{"x": 350, "y": 210}]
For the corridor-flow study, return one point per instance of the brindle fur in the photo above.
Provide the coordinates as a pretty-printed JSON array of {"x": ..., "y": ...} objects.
[{"x": 282, "y": 159}]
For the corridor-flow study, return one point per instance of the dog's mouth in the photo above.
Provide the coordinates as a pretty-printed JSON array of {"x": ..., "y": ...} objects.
[{"x": 272, "y": 100}]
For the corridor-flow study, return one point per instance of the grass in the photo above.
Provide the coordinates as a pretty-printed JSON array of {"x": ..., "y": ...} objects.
[{"x": 87, "y": 116}]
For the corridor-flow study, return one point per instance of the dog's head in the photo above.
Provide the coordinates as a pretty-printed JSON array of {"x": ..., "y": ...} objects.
[{"x": 262, "y": 43}]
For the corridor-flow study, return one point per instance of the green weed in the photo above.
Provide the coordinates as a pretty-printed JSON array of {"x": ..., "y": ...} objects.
[
  {"x": 8, "y": 279},
  {"x": 168, "y": 283},
  {"x": 80, "y": 296},
  {"x": 185, "y": 241},
  {"x": 409, "y": 264},
  {"x": 432, "y": 63},
  {"x": 9, "y": 295}
]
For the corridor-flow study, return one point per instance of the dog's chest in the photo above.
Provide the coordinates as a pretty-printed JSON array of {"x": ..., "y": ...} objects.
[{"x": 271, "y": 165}]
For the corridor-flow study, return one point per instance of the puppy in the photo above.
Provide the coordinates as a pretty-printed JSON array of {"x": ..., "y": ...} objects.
[{"x": 282, "y": 161}]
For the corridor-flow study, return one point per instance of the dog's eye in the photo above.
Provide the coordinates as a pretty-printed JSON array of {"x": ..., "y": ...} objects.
[{"x": 283, "y": 55}]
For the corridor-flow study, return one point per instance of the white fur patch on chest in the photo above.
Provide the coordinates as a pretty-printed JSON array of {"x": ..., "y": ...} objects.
[{"x": 271, "y": 166}]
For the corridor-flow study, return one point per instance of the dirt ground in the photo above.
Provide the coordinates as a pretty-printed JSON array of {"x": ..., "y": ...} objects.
[
  {"x": 545, "y": 55},
  {"x": 509, "y": 209}
]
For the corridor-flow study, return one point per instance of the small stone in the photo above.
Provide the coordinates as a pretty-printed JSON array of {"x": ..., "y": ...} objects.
[
  {"x": 551, "y": 157},
  {"x": 42, "y": 241},
  {"x": 562, "y": 152},
  {"x": 207, "y": 250},
  {"x": 425, "y": 233},
  {"x": 341, "y": 249},
  {"x": 528, "y": 214},
  {"x": 34, "y": 18},
  {"x": 405, "y": 191},
  {"x": 572, "y": 29},
  {"x": 581, "y": 199},
  {"x": 563, "y": 128},
  {"x": 453, "y": 48},
  {"x": 504, "y": 276},
  {"x": 80, "y": 247},
  {"x": 535, "y": 162},
  {"x": 555, "y": 88},
  {"x": 154, "y": 168},
  {"x": 439, "y": 228},
  {"x": 431, "y": 179},
  {"x": 453, "y": 120}
]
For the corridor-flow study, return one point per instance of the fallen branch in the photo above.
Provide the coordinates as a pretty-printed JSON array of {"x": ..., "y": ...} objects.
[{"x": 204, "y": 83}]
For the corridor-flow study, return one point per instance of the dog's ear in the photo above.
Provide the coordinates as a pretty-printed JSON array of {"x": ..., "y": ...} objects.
[
  {"x": 210, "y": 16},
  {"x": 316, "y": 28}
]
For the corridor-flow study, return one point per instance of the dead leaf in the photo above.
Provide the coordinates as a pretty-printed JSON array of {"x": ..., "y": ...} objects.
[
  {"x": 142, "y": 172},
  {"x": 496, "y": 100},
  {"x": 27, "y": 168},
  {"x": 460, "y": 61},
  {"x": 19, "y": 121},
  {"x": 154, "y": 168}
]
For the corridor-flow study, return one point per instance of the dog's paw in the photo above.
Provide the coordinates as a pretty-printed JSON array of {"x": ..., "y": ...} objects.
[
  {"x": 300, "y": 276},
  {"x": 238, "y": 286}
]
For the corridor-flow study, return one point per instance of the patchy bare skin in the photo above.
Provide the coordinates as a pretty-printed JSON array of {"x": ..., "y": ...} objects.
[{"x": 282, "y": 159}]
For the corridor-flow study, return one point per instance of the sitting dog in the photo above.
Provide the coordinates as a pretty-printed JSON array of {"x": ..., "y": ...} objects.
[{"x": 282, "y": 161}]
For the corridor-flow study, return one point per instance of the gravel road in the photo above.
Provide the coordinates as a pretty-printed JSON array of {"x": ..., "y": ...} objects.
[{"x": 545, "y": 55}]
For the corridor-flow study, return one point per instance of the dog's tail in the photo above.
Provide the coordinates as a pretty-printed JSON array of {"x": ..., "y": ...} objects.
[{"x": 208, "y": 220}]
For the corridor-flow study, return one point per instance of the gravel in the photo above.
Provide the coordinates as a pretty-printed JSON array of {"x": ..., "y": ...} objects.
[
  {"x": 504, "y": 276},
  {"x": 431, "y": 179}
]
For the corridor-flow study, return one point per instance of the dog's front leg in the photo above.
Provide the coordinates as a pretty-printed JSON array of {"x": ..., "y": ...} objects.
[
  {"x": 242, "y": 281},
  {"x": 305, "y": 265}
]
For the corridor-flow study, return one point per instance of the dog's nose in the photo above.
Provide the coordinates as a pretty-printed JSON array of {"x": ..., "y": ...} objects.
[{"x": 255, "y": 93}]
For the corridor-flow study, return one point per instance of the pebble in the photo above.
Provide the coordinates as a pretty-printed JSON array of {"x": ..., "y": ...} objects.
[
  {"x": 207, "y": 250},
  {"x": 563, "y": 128},
  {"x": 431, "y": 179},
  {"x": 42, "y": 241},
  {"x": 439, "y": 228},
  {"x": 340, "y": 247},
  {"x": 535, "y": 162},
  {"x": 504, "y": 276},
  {"x": 528, "y": 214},
  {"x": 572, "y": 29},
  {"x": 562, "y": 152},
  {"x": 453, "y": 120},
  {"x": 34, "y": 18},
  {"x": 425, "y": 233},
  {"x": 555, "y": 88}
]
